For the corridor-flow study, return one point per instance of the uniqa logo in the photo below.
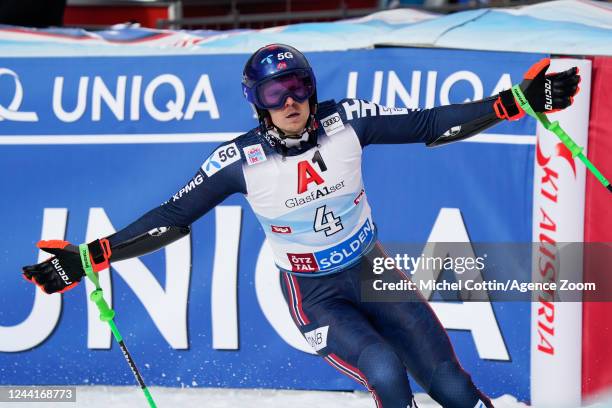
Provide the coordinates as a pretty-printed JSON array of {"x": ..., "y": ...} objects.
[{"x": 12, "y": 111}]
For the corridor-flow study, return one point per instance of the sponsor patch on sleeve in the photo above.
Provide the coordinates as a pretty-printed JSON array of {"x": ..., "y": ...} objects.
[
  {"x": 220, "y": 158},
  {"x": 454, "y": 131},
  {"x": 254, "y": 154},
  {"x": 332, "y": 124}
]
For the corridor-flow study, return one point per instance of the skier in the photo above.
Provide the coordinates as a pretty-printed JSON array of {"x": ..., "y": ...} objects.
[{"x": 317, "y": 219}]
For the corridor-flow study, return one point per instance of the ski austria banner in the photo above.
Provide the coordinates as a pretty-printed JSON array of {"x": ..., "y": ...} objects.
[
  {"x": 87, "y": 145},
  {"x": 558, "y": 216}
]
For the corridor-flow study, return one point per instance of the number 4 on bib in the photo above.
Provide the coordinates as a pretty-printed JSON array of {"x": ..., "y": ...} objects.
[{"x": 327, "y": 222}]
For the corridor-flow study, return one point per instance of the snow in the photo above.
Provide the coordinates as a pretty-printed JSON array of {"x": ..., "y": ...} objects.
[{"x": 132, "y": 397}]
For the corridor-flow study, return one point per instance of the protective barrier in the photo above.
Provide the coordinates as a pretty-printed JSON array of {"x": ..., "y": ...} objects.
[{"x": 558, "y": 216}]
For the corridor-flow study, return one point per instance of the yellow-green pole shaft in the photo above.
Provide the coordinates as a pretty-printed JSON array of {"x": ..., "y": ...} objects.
[
  {"x": 561, "y": 134},
  {"x": 106, "y": 315}
]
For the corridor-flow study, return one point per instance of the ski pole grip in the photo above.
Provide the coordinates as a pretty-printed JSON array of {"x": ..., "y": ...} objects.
[{"x": 106, "y": 313}]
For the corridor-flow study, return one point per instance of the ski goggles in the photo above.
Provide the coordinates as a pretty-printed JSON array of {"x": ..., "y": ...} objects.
[{"x": 273, "y": 93}]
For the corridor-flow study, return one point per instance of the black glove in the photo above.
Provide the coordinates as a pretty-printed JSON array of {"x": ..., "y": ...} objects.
[
  {"x": 64, "y": 270},
  {"x": 545, "y": 93}
]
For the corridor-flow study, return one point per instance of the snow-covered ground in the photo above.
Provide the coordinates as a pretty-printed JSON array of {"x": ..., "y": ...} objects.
[{"x": 132, "y": 397}]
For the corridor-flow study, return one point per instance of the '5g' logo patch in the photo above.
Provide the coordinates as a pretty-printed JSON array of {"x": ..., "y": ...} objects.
[{"x": 220, "y": 158}]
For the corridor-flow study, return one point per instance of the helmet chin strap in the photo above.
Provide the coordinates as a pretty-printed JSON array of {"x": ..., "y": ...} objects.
[
  {"x": 292, "y": 140},
  {"x": 295, "y": 140}
]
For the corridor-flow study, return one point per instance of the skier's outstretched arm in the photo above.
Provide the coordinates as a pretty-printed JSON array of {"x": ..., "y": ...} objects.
[
  {"x": 159, "y": 227},
  {"x": 376, "y": 124}
]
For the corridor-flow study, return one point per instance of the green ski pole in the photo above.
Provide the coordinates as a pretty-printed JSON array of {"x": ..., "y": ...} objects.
[
  {"x": 561, "y": 134},
  {"x": 106, "y": 315}
]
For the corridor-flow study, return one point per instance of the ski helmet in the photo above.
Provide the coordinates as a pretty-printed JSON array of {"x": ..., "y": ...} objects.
[{"x": 275, "y": 72}]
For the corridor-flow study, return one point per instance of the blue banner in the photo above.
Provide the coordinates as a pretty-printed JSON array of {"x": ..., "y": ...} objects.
[{"x": 87, "y": 145}]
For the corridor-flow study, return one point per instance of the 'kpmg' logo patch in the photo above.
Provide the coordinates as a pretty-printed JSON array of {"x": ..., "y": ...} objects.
[{"x": 254, "y": 154}]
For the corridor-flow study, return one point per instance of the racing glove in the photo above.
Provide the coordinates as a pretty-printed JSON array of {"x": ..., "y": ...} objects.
[
  {"x": 545, "y": 93},
  {"x": 64, "y": 270}
]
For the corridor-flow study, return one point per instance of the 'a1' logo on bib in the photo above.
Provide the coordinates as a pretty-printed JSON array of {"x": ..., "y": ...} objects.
[{"x": 306, "y": 175}]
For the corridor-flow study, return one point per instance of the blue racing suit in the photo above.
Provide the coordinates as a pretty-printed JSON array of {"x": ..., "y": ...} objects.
[{"x": 310, "y": 199}]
